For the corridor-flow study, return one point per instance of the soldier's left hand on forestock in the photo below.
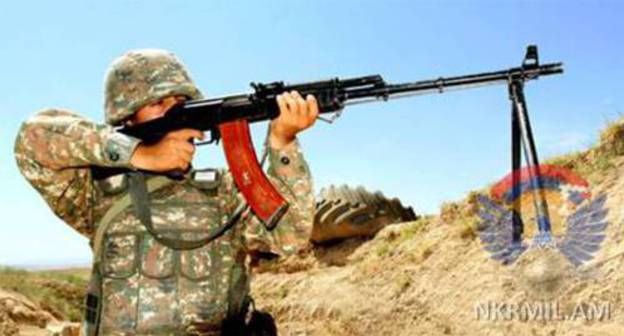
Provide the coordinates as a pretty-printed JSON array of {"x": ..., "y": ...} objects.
[{"x": 296, "y": 115}]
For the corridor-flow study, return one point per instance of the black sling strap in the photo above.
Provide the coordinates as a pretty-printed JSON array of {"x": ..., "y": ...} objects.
[{"x": 141, "y": 204}]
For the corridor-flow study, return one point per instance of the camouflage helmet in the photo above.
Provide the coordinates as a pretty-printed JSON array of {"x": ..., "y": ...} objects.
[{"x": 140, "y": 77}]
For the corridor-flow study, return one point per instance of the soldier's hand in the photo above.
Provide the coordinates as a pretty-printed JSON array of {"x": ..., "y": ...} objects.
[
  {"x": 174, "y": 151},
  {"x": 296, "y": 114}
]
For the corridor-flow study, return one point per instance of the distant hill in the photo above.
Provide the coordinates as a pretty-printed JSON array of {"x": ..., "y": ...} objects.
[{"x": 50, "y": 265}]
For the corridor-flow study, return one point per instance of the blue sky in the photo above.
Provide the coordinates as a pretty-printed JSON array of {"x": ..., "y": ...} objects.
[{"x": 425, "y": 150}]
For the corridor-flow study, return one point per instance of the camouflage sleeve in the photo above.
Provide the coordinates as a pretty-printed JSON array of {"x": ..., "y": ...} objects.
[
  {"x": 54, "y": 150},
  {"x": 289, "y": 173}
]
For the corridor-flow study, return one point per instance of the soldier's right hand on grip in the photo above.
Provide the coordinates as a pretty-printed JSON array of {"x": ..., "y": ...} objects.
[{"x": 174, "y": 152}]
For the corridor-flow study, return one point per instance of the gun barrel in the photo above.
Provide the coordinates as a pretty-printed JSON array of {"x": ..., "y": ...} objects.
[{"x": 443, "y": 84}]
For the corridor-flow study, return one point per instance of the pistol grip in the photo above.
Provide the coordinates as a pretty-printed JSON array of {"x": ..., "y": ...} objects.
[{"x": 265, "y": 201}]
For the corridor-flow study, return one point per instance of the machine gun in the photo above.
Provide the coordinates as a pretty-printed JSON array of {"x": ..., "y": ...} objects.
[{"x": 227, "y": 119}]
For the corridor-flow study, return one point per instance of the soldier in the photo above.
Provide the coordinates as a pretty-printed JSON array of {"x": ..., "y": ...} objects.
[{"x": 142, "y": 282}]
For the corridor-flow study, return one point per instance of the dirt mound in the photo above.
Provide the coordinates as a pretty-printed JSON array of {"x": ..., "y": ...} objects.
[
  {"x": 40, "y": 303},
  {"x": 22, "y": 310},
  {"x": 21, "y": 316},
  {"x": 433, "y": 277},
  {"x": 7, "y": 325}
]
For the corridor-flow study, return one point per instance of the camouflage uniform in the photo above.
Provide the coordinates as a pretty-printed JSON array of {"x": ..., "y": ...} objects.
[{"x": 143, "y": 287}]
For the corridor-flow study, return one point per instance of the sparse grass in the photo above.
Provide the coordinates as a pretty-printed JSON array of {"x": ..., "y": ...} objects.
[
  {"x": 283, "y": 292},
  {"x": 573, "y": 161},
  {"x": 58, "y": 292},
  {"x": 467, "y": 227},
  {"x": 412, "y": 229},
  {"x": 426, "y": 252},
  {"x": 407, "y": 231},
  {"x": 421, "y": 253},
  {"x": 593, "y": 163},
  {"x": 383, "y": 250},
  {"x": 402, "y": 283},
  {"x": 590, "y": 165},
  {"x": 462, "y": 214}
]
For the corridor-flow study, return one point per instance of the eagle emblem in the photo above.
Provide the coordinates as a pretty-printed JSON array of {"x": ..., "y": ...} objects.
[{"x": 506, "y": 235}]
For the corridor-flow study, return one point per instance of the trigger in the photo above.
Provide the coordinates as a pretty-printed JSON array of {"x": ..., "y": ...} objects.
[{"x": 215, "y": 136}]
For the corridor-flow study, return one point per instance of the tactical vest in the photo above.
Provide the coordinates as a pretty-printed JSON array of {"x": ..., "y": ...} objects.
[{"x": 141, "y": 286}]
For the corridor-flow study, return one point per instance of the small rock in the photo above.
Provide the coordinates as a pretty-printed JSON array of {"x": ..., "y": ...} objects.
[{"x": 63, "y": 329}]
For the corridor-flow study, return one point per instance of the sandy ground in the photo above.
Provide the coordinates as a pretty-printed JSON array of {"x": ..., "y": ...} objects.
[{"x": 435, "y": 281}]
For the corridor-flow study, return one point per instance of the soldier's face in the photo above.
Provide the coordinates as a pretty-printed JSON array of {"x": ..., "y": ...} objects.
[{"x": 156, "y": 109}]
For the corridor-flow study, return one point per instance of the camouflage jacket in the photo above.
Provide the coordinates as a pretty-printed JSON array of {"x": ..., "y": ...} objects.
[{"x": 148, "y": 288}]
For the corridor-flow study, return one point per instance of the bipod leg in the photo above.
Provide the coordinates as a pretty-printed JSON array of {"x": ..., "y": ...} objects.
[
  {"x": 516, "y": 191},
  {"x": 519, "y": 110}
]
